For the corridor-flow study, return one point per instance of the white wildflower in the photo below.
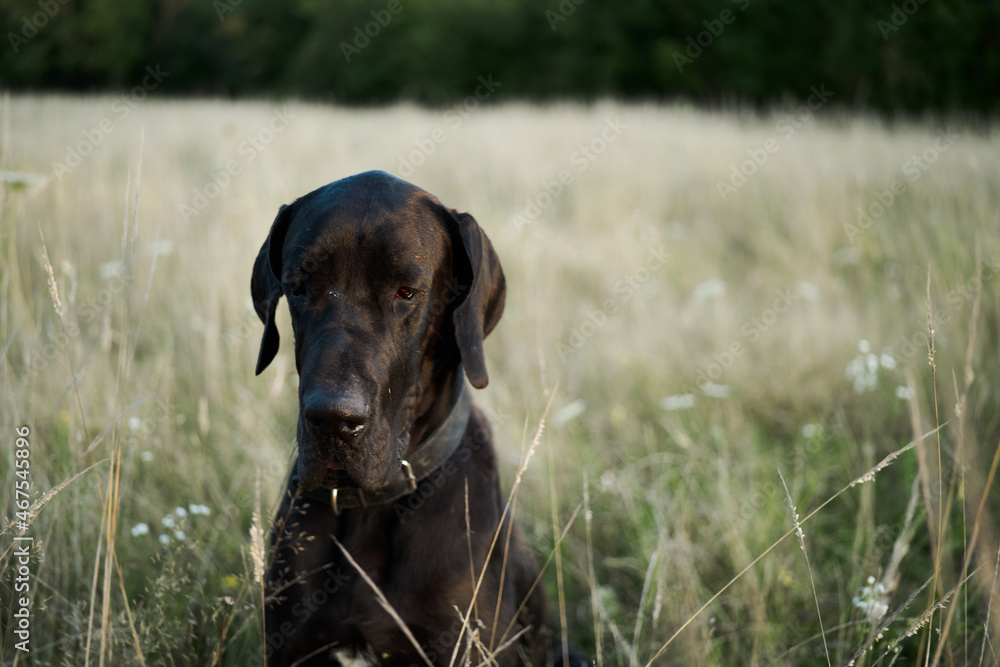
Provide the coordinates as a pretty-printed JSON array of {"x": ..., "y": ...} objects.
[
  {"x": 709, "y": 289},
  {"x": 608, "y": 480},
  {"x": 678, "y": 402},
  {"x": 871, "y": 362},
  {"x": 872, "y": 601},
  {"x": 847, "y": 256},
  {"x": 109, "y": 270},
  {"x": 808, "y": 291},
  {"x": 715, "y": 390},
  {"x": 569, "y": 411}
]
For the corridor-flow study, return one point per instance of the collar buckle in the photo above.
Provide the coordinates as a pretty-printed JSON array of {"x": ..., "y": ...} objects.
[{"x": 408, "y": 471}]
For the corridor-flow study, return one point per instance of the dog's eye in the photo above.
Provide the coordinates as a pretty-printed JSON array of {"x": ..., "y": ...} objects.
[
  {"x": 405, "y": 293},
  {"x": 298, "y": 289}
]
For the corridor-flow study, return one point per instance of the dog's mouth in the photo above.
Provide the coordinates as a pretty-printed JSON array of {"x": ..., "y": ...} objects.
[
  {"x": 365, "y": 463},
  {"x": 331, "y": 461},
  {"x": 339, "y": 479},
  {"x": 335, "y": 475}
]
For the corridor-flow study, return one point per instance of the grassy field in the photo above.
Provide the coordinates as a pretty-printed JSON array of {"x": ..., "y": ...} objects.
[{"x": 730, "y": 344}]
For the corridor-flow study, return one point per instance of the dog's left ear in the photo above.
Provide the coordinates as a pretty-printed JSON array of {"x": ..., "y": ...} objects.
[
  {"x": 265, "y": 286},
  {"x": 476, "y": 316}
]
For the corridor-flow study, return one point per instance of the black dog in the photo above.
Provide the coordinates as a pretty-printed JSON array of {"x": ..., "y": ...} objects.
[{"x": 391, "y": 295}]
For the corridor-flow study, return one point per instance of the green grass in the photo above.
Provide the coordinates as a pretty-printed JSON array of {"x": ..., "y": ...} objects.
[{"x": 169, "y": 353}]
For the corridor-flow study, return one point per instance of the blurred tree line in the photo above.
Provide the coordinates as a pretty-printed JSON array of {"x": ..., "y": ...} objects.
[{"x": 887, "y": 54}]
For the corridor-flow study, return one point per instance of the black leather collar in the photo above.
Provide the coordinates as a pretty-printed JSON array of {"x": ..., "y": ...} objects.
[{"x": 429, "y": 455}]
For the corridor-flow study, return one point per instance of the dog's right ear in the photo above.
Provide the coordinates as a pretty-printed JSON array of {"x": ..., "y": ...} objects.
[{"x": 265, "y": 286}]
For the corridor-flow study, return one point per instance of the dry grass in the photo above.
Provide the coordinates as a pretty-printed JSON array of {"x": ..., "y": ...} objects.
[{"x": 147, "y": 375}]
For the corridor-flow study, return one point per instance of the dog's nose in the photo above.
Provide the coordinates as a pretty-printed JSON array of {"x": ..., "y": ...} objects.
[{"x": 335, "y": 414}]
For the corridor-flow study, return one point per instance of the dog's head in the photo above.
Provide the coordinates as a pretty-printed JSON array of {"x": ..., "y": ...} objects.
[{"x": 388, "y": 292}]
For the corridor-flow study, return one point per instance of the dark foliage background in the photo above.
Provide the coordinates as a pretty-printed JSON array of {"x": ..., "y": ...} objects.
[{"x": 911, "y": 56}]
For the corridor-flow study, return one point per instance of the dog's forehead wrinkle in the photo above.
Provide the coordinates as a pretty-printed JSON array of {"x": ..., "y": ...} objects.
[{"x": 383, "y": 223}]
